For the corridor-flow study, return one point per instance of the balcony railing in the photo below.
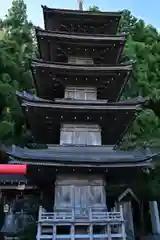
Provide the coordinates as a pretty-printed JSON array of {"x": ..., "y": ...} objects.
[
  {"x": 76, "y": 215},
  {"x": 112, "y": 223}
]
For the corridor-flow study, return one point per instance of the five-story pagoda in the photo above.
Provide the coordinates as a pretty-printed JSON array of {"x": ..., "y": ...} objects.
[{"x": 79, "y": 116}]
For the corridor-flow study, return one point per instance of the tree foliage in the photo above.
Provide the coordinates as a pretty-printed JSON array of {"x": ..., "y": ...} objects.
[
  {"x": 94, "y": 8},
  {"x": 16, "y": 47},
  {"x": 143, "y": 47}
]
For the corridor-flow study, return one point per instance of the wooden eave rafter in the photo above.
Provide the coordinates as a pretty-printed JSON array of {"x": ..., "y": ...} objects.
[
  {"x": 91, "y": 69},
  {"x": 94, "y": 165},
  {"x": 80, "y": 37},
  {"x": 82, "y": 106},
  {"x": 28, "y": 99}
]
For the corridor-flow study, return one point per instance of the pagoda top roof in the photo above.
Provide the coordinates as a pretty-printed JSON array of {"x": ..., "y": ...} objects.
[
  {"x": 80, "y": 13},
  {"x": 83, "y": 155},
  {"x": 81, "y": 21}
]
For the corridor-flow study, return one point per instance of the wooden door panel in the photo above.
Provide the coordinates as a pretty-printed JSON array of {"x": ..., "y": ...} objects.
[
  {"x": 80, "y": 197},
  {"x": 96, "y": 196},
  {"x": 63, "y": 196}
]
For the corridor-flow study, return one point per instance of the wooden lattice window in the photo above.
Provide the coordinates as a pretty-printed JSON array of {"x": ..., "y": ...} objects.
[
  {"x": 80, "y": 61},
  {"x": 79, "y": 134},
  {"x": 81, "y": 93}
]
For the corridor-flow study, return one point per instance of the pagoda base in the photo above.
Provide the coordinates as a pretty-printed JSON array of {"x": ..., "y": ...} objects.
[
  {"x": 13, "y": 204},
  {"x": 98, "y": 225}
]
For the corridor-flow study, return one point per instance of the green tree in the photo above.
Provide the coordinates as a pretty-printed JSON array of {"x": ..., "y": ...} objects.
[
  {"x": 16, "y": 47},
  {"x": 143, "y": 48},
  {"x": 94, "y": 8}
]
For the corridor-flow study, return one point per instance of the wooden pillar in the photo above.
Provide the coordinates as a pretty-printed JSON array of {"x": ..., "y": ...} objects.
[
  {"x": 128, "y": 217},
  {"x": 155, "y": 220}
]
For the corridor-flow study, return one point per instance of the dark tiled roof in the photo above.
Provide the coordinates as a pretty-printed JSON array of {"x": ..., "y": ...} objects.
[
  {"x": 80, "y": 37},
  {"x": 25, "y": 96},
  {"x": 78, "y": 155},
  {"x": 89, "y": 68},
  {"x": 82, "y": 13}
]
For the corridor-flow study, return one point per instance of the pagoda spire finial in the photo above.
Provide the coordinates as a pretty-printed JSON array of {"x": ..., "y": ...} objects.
[{"x": 80, "y": 5}]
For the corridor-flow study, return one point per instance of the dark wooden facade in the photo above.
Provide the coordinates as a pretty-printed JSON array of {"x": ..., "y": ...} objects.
[
  {"x": 110, "y": 81},
  {"x": 52, "y": 115},
  {"x": 59, "y": 47}
]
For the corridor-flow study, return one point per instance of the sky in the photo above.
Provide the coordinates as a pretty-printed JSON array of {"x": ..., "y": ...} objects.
[{"x": 148, "y": 10}]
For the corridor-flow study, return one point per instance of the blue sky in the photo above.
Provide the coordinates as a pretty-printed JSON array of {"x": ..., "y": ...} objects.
[{"x": 148, "y": 10}]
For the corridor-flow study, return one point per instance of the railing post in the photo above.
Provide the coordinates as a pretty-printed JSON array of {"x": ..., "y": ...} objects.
[
  {"x": 38, "y": 237},
  {"x": 90, "y": 214},
  {"x": 39, "y": 223},
  {"x": 72, "y": 232},
  {"x": 121, "y": 212},
  {"x": 54, "y": 215},
  {"x": 73, "y": 214},
  {"x": 122, "y": 223},
  {"x": 40, "y": 213},
  {"x": 109, "y": 232},
  {"x": 54, "y": 231},
  {"x": 91, "y": 232}
]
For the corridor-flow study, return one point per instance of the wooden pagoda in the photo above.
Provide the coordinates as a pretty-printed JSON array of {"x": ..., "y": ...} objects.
[{"x": 79, "y": 116}]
